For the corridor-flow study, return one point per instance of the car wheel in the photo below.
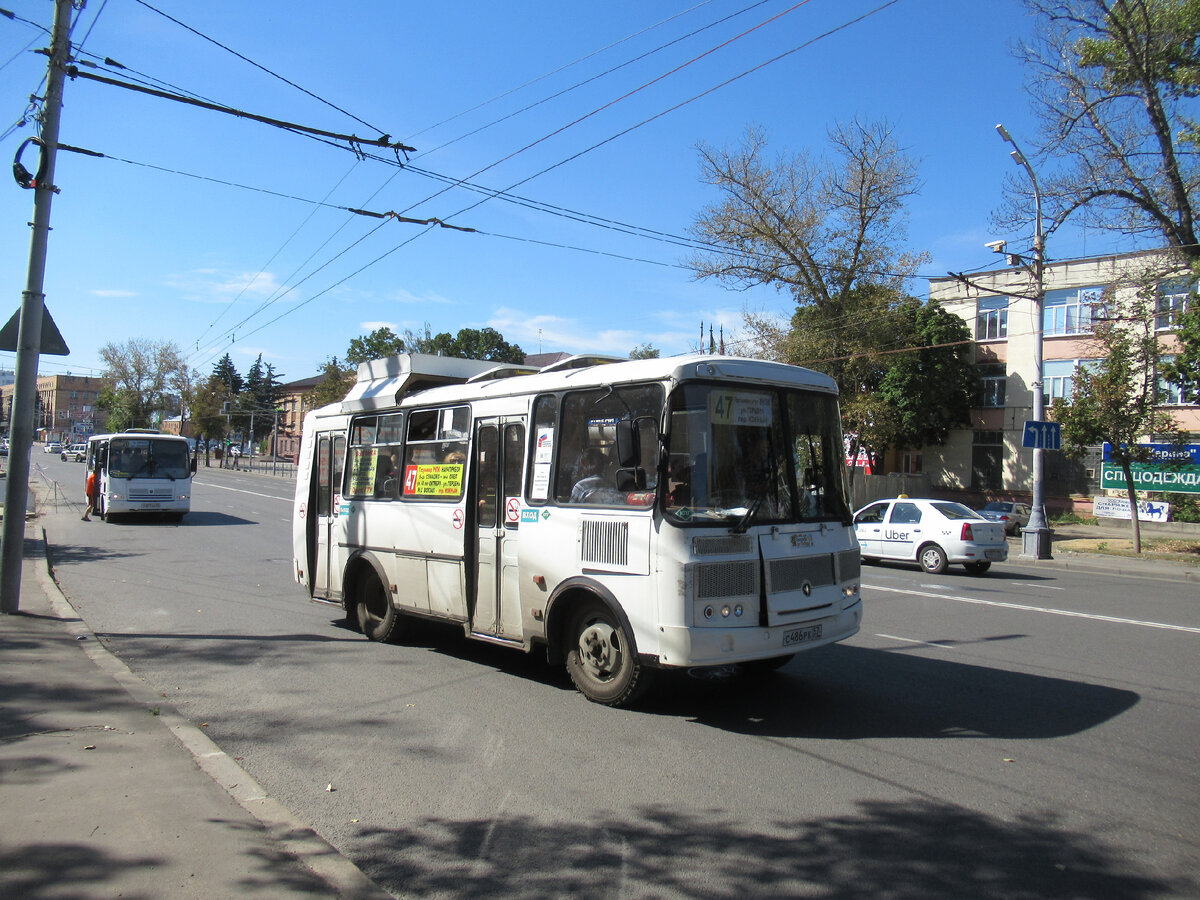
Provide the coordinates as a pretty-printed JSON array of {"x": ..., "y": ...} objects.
[
  {"x": 977, "y": 568},
  {"x": 932, "y": 559}
]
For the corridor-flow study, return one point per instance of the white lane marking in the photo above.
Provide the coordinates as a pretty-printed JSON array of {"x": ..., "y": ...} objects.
[
  {"x": 892, "y": 637},
  {"x": 1041, "y": 609},
  {"x": 1040, "y": 587},
  {"x": 222, "y": 487}
]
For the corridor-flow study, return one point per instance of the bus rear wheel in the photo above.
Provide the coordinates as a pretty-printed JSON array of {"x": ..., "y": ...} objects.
[
  {"x": 377, "y": 617},
  {"x": 601, "y": 659}
]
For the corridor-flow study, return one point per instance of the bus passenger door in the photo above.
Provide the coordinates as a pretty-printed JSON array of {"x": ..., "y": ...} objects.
[
  {"x": 323, "y": 516},
  {"x": 499, "y": 457}
]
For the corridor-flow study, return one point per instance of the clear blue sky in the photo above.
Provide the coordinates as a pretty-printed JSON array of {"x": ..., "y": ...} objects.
[{"x": 143, "y": 249}]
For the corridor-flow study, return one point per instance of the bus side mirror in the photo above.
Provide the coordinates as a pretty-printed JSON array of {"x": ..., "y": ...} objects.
[
  {"x": 631, "y": 479},
  {"x": 628, "y": 449}
]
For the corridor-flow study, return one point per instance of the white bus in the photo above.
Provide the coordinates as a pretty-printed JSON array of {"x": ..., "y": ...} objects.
[
  {"x": 141, "y": 471},
  {"x": 626, "y": 516}
]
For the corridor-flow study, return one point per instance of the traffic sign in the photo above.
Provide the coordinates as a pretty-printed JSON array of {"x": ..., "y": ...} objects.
[{"x": 1042, "y": 435}]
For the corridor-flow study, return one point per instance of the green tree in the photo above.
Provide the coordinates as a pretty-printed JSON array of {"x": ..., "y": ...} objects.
[
  {"x": 1113, "y": 81},
  {"x": 379, "y": 344},
  {"x": 1184, "y": 369},
  {"x": 644, "y": 351},
  {"x": 138, "y": 376},
  {"x": 484, "y": 343},
  {"x": 1115, "y": 399},
  {"x": 930, "y": 389},
  {"x": 336, "y": 382}
]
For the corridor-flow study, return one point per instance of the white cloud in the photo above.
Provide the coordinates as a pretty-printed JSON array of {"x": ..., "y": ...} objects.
[
  {"x": 113, "y": 292},
  {"x": 402, "y": 296},
  {"x": 368, "y": 327},
  {"x": 218, "y": 286}
]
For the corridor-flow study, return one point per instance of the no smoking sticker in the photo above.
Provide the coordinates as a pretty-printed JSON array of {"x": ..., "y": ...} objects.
[{"x": 457, "y": 518}]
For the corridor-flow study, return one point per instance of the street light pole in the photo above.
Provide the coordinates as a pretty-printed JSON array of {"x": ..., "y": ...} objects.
[{"x": 1035, "y": 537}]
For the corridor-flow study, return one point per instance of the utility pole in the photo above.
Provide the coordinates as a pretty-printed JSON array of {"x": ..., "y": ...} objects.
[{"x": 29, "y": 335}]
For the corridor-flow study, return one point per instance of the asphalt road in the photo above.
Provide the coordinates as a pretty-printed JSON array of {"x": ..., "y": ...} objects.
[{"x": 1032, "y": 733}]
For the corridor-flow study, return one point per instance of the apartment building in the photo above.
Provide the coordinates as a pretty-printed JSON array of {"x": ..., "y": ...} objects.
[
  {"x": 988, "y": 459},
  {"x": 65, "y": 409}
]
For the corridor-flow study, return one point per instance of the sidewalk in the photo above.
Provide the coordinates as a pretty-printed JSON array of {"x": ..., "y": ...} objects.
[{"x": 107, "y": 791}]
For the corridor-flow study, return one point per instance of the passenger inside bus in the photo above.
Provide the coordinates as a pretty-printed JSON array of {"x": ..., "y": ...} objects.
[{"x": 594, "y": 483}]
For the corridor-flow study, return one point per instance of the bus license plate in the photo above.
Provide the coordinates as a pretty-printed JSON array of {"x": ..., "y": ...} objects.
[
  {"x": 150, "y": 506},
  {"x": 802, "y": 635}
]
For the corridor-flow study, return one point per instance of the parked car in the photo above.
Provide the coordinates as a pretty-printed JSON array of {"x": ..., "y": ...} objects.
[
  {"x": 1014, "y": 516},
  {"x": 76, "y": 452},
  {"x": 52, "y": 447},
  {"x": 933, "y": 533}
]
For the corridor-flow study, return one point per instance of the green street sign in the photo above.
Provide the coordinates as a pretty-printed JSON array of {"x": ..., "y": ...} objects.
[{"x": 1171, "y": 479}]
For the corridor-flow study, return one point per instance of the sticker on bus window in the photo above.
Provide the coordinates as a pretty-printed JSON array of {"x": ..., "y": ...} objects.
[
  {"x": 539, "y": 487},
  {"x": 739, "y": 408},
  {"x": 363, "y": 462},
  {"x": 440, "y": 480}
]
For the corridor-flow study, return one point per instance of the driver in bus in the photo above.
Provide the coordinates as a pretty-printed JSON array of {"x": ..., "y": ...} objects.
[{"x": 594, "y": 485}]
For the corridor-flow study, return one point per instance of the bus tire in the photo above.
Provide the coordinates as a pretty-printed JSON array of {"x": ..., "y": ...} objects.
[
  {"x": 377, "y": 616},
  {"x": 602, "y": 660}
]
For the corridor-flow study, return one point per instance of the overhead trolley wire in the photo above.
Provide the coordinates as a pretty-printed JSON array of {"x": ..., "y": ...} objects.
[{"x": 262, "y": 68}]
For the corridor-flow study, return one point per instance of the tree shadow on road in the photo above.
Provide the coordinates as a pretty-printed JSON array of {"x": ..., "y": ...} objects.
[{"x": 907, "y": 849}]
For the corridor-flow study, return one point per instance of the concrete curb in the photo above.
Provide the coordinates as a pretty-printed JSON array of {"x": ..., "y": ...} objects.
[{"x": 293, "y": 836}]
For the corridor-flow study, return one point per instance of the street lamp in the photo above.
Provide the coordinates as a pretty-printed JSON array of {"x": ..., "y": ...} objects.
[{"x": 1035, "y": 537}]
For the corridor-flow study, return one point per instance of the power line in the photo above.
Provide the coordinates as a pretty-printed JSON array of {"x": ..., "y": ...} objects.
[{"x": 262, "y": 68}]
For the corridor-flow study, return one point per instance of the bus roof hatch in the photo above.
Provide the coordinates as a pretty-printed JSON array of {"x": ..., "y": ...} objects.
[{"x": 381, "y": 382}]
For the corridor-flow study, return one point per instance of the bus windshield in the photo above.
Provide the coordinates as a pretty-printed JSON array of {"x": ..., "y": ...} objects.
[
  {"x": 753, "y": 455},
  {"x": 147, "y": 458}
]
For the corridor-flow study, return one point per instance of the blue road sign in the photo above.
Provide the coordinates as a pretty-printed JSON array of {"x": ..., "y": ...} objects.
[{"x": 1042, "y": 435}]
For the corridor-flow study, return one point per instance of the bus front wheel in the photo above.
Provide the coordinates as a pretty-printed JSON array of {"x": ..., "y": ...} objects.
[
  {"x": 377, "y": 617},
  {"x": 601, "y": 659}
]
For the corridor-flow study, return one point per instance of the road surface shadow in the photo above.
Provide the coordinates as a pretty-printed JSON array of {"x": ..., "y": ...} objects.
[{"x": 903, "y": 849}]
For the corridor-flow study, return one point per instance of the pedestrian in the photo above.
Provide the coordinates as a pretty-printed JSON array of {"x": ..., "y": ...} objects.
[{"x": 90, "y": 490}]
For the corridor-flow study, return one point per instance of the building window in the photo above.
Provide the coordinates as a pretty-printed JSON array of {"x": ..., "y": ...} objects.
[
  {"x": 1058, "y": 379},
  {"x": 1172, "y": 393},
  {"x": 911, "y": 463},
  {"x": 991, "y": 319},
  {"x": 987, "y": 461},
  {"x": 1072, "y": 310},
  {"x": 1173, "y": 297},
  {"x": 994, "y": 380}
]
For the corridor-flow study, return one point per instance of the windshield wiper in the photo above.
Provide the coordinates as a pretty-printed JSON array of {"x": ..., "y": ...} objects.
[{"x": 744, "y": 521}]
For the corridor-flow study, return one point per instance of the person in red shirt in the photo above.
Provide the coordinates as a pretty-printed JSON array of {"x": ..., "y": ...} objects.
[{"x": 91, "y": 496}]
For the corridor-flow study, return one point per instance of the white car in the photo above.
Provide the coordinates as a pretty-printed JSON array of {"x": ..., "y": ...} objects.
[
  {"x": 933, "y": 533},
  {"x": 52, "y": 447}
]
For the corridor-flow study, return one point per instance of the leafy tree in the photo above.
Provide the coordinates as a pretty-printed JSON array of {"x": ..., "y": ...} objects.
[
  {"x": 207, "y": 399},
  {"x": 1115, "y": 399},
  {"x": 1184, "y": 370},
  {"x": 930, "y": 389},
  {"x": 379, "y": 344},
  {"x": 336, "y": 383},
  {"x": 644, "y": 351},
  {"x": 485, "y": 343},
  {"x": 138, "y": 375},
  {"x": 1111, "y": 81}
]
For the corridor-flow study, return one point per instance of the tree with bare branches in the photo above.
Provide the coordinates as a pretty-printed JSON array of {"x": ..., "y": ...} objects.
[{"x": 1115, "y": 84}]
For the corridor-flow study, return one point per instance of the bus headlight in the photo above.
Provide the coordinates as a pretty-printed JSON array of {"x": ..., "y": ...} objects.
[{"x": 849, "y": 590}]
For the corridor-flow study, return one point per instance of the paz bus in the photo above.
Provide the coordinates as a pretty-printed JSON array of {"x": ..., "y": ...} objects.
[
  {"x": 140, "y": 471},
  {"x": 623, "y": 516}
]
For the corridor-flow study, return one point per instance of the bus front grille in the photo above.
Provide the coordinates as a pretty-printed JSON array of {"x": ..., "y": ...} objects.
[{"x": 716, "y": 581}]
